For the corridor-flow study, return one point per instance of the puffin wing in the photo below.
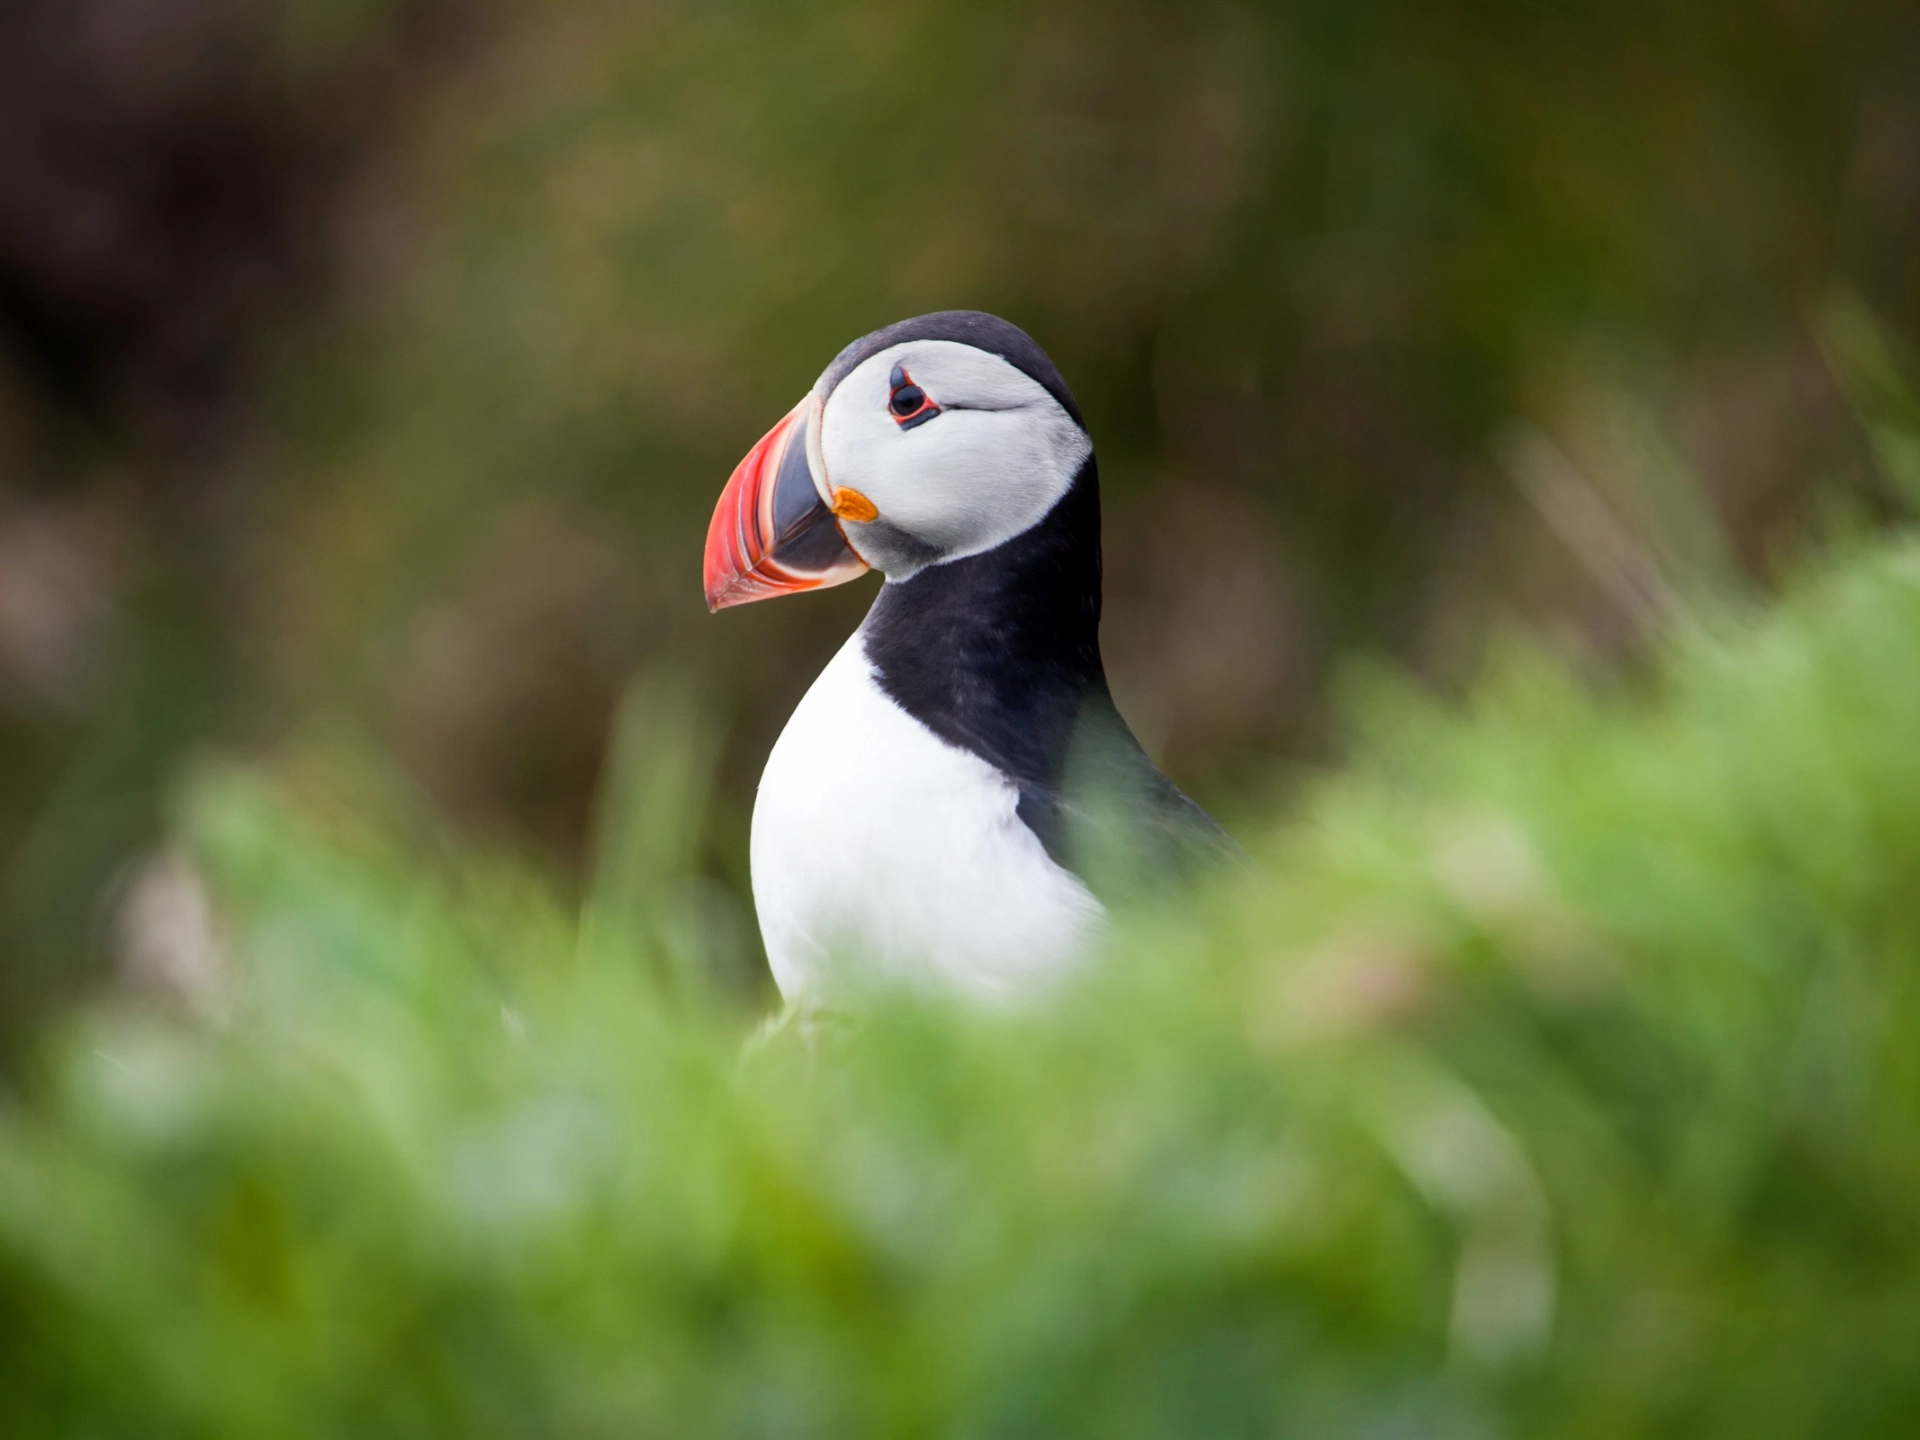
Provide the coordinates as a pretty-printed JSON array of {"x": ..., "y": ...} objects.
[{"x": 1109, "y": 814}]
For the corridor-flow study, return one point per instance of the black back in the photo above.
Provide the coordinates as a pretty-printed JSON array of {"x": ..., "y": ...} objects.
[{"x": 999, "y": 654}]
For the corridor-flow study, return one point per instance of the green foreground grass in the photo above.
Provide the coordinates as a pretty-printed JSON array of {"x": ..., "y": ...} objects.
[{"x": 1554, "y": 1070}]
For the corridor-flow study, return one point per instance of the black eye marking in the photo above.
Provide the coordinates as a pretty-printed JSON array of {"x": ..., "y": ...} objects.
[{"x": 908, "y": 402}]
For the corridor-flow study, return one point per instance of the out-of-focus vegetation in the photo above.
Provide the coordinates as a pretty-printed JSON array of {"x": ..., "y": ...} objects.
[
  {"x": 374, "y": 365},
  {"x": 1552, "y": 1072},
  {"x": 366, "y": 374}
]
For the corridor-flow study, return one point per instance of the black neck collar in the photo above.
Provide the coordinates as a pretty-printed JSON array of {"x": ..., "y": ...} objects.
[{"x": 999, "y": 653}]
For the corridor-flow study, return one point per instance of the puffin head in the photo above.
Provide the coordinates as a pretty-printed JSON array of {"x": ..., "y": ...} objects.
[{"x": 933, "y": 439}]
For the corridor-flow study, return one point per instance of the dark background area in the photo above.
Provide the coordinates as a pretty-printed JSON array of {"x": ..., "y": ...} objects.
[{"x": 372, "y": 368}]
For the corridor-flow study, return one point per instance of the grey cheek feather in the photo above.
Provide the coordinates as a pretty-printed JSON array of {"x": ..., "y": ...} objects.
[{"x": 895, "y": 552}]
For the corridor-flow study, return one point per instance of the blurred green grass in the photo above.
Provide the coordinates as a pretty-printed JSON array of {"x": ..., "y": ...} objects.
[{"x": 1554, "y": 1070}]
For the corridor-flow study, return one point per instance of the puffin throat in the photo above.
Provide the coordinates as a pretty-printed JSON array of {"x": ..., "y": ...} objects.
[{"x": 999, "y": 652}]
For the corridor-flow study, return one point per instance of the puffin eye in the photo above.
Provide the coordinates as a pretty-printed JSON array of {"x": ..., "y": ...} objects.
[{"x": 908, "y": 402}]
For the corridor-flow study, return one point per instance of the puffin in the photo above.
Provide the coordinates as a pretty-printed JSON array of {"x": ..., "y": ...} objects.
[{"x": 956, "y": 792}]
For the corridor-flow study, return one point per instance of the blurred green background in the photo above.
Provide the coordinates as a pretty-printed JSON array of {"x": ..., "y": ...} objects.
[
  {"x": 373, "y": 974},
  {"x": 376, "y": 365}
]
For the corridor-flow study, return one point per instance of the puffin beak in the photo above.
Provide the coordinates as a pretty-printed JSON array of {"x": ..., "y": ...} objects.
[{"x": 772, "y": 533}]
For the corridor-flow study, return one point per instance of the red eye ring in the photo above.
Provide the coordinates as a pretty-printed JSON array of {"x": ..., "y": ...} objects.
[{"x": 907, "y": 402}]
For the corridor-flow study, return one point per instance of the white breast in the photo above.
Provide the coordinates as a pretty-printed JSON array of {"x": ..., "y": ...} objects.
[{"x": 880, "y": 852}]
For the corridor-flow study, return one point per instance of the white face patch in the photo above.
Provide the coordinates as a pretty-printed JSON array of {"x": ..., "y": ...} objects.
[{"x": 990, "y": 465}]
